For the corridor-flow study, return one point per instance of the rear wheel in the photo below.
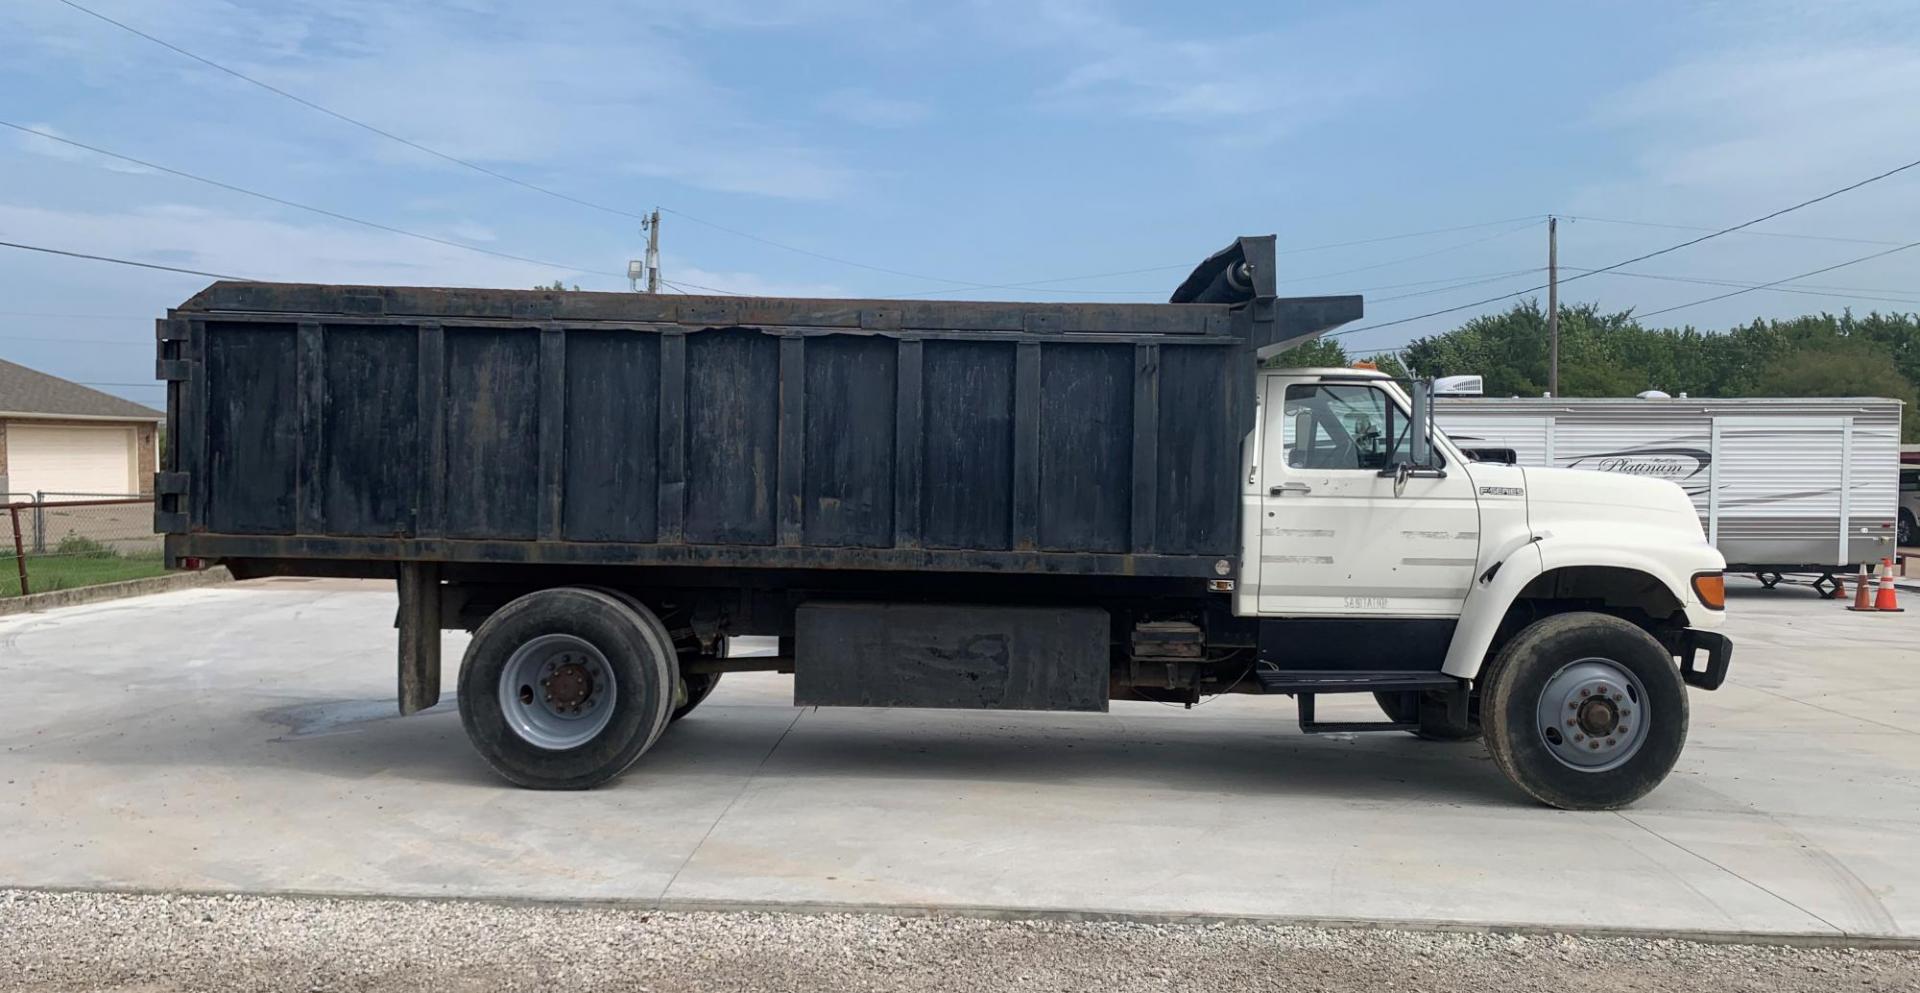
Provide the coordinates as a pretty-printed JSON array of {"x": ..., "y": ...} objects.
[
  {"x": 1427, "y": 711},
  {"x": 1584, "y": 711},
  {"x": 565, "y": 688}
]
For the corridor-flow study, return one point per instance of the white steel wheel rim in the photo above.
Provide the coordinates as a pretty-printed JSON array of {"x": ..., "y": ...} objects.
[
  {"x": 1593, "y": 715},
  {"x": 557, "y": 692}
]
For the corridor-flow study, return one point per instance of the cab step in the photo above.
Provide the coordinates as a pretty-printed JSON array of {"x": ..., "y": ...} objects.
[
  {"x": 1351, "y": 681},
  {"x": 1307, "y": 684}
]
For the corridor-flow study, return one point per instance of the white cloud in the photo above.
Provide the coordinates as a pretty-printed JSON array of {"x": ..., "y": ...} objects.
[
  {"x": 260, "y": 248},
  {"x": 1238, "y": 85},
  {"x": 531, "y": 88},
  {"x": 863, "y": 106},
  {"x": 697, "y": 280},
  {"x": 1771, "y": 118}
]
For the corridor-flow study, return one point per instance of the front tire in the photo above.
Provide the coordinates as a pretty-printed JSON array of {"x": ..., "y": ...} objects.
[
  {"x": 1584, "y": 711},
  {"x": 563, "y": 689}
]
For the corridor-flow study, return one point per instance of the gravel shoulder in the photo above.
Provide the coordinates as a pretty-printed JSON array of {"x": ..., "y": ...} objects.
[{"x": 149, "y": 943}]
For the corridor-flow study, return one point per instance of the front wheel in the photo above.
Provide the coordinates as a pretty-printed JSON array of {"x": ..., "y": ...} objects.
[{"x": 1584, "y": 711}]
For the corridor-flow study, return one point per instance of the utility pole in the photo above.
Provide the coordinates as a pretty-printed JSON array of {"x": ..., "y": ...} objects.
[
  {"x": 1553, "y": 305},
  {"x": 652, "y": 224}
]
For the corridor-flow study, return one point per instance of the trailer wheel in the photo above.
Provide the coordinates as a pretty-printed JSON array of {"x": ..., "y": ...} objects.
[
  {"x": 1430, "y": 714},
  {"x": 565, "y": 688},
  {"x": 1584, "y": 711}
]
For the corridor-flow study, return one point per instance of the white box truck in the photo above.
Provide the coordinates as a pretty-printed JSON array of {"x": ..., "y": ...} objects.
[{"x": 1802, "y": 484}]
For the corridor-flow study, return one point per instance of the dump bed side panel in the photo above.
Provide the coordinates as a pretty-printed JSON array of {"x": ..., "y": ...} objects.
[{"x": 331, "y": 434}]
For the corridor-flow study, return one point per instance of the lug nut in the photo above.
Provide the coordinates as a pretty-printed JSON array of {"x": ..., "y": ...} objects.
[
  {"x": 1585, "y": 692},
  {"x": 1571, "y": 722},
  {"x": 1579, "y": 737},
  {"x": 1593, "y": 745},
  {"x": 1609, "y": 742}
]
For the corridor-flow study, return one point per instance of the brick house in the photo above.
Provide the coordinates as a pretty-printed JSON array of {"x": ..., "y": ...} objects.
[{"x": 57, "y": 436}]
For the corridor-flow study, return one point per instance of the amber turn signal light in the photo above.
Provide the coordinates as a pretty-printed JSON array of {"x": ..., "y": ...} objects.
[{"x": 1711, "y": 588}]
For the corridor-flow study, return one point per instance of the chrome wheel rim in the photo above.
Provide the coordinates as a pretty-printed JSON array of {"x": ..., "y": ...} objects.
[
  {"x": 1593, "y": 715},
  {"x": 557, "y": 692}
]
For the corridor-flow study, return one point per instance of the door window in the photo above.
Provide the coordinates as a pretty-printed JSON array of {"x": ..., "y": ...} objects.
[{"x": 1340, "y": 426}]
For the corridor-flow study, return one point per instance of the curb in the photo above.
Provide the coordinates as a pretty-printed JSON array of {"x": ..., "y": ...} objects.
[
  {"x": 35, "y": 602},
  {"x": 811, "y": 908}
]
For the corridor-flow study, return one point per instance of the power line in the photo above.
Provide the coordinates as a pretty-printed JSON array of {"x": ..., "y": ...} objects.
[
  {"x": 681, "y": 285},
  {"x": 76, "y": 341},
  {"x": 1756, "y": 234},
  {"x": 1183, "y": 267},
  {"x": 1462, "y": 285},
  {"x": 75, "y": 317},
  {"x": 106, "y": 258},
  {"x": 1654, "y": 254},
  {"x": 309, "y": 104},
  {"x": 476, "y": 167},
  {"x": 1777, "y": 282},
  {"x": 1410, "y": 258},
  {"x": 1843, "y": 294},
  {"x": 282, "y": 201}
]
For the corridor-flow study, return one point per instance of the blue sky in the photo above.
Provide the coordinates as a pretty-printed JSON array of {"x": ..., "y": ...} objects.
[{"x": 983, "y": 142}]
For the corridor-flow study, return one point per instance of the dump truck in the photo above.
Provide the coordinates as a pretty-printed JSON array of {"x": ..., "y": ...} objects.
[{"x": 988, "y": 505}]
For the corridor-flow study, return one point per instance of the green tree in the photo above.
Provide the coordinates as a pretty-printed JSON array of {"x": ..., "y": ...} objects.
[
  {"x": 558, "y": 287},
  {"x": 1849, "y": 368},
  {"x": 1318, "y": 352}
]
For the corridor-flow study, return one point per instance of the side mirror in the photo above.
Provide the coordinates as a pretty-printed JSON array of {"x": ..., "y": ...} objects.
[{"x": 1419, "y": 447}]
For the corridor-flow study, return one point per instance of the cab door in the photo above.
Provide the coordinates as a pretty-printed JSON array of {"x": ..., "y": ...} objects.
[{"x": 1336, "y": 539}]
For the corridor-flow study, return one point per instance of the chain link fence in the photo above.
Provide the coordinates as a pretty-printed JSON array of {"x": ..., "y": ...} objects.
[{"x": 59, "y": 541}]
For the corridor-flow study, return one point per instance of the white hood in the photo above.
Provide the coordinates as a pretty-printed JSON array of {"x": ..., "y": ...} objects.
[{"x": 1584, "y": 498}]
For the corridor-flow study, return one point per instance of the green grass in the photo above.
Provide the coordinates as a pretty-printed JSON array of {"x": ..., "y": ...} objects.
[{"x": 46, "y": 573}]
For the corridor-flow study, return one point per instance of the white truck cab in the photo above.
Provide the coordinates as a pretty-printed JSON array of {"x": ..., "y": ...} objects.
[{"x": 1346, "y": 514}]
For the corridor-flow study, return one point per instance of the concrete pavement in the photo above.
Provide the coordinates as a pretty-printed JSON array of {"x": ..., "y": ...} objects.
[{"x": 242, "y": 739}]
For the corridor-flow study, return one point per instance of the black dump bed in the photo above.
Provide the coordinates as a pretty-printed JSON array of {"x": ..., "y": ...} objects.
[{"x": 310, "y": 423}]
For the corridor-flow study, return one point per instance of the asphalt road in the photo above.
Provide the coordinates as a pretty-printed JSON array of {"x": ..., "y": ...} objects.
[{"x": 242, "y": 739}]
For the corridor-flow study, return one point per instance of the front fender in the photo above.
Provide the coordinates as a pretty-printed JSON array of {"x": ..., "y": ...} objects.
[{"x": 1653, "y": 554}]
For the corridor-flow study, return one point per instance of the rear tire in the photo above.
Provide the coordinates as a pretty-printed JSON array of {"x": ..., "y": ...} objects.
[
  {"x": 1584, "y": 711},
  {"x": 564, "y": 688},
  {"x": 1429, "y": 713}
]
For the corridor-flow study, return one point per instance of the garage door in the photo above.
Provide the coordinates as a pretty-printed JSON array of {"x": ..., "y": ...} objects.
[{"x": 69, "y": 459}]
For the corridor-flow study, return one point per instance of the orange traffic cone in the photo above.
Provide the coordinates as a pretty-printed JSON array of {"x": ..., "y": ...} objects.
[
  {"x": 1861, "y": 600},
  {"x": 1839, "y": 588},
  {"x": 1886, "y": 600}
]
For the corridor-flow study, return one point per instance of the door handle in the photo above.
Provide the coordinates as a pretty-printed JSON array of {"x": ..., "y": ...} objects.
[{"x": 1289, "y": 488}]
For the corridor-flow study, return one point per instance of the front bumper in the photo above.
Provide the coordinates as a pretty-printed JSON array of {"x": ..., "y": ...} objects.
[{"x": 1719, "y": 649}]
